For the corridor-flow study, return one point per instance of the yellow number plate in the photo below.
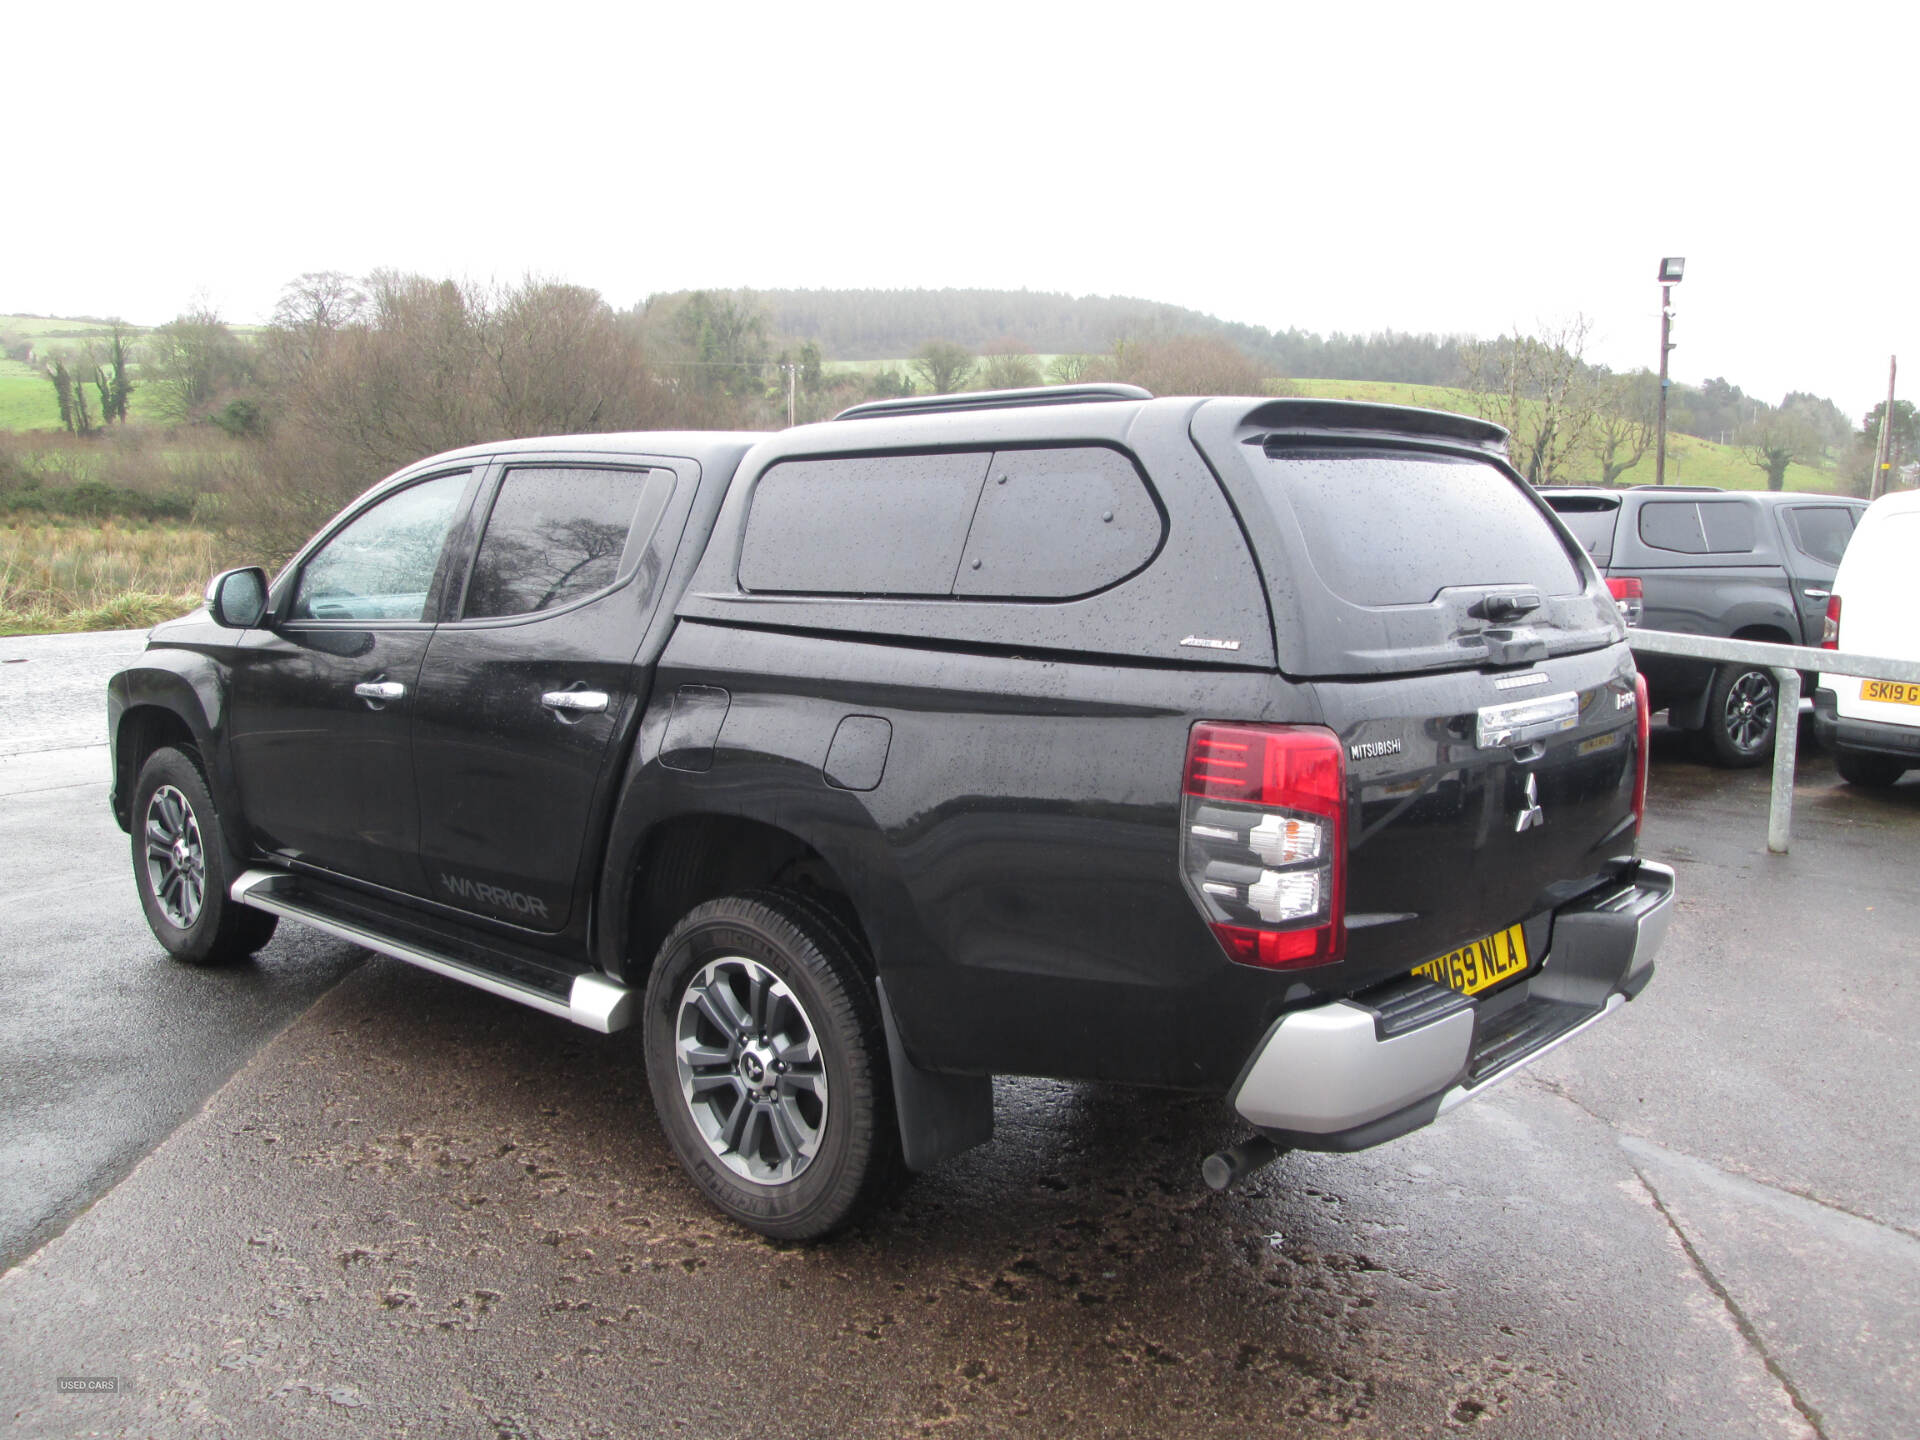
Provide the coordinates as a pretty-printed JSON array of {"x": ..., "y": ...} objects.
[
  {"x": 1473, "y": 968},
  {"x": 1898, "y": 691}
]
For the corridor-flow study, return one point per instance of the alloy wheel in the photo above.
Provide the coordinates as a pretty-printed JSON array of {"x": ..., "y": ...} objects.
[
  {"x": 751, "y": 1070},
  {"x": 1748, "y": 714},
  {"x": 176, "y": 857}
]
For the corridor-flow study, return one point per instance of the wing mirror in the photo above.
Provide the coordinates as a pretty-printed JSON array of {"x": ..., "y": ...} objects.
[{"x": 237, "y": 599}]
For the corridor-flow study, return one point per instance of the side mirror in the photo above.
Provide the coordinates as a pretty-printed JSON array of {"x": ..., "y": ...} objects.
[{"x": 237, "y": 599}]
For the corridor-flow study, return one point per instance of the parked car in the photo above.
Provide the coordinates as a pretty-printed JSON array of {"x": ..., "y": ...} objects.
[
  {"x": 1745, "y": 565},
  {"x": 1285, "y": 750},
  {"x": 1873, "y": 726}
]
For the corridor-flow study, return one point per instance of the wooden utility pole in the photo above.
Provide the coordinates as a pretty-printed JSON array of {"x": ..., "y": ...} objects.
[
  {"x": 1878, "y": 485},
  {"x": 792, "y": 372}
]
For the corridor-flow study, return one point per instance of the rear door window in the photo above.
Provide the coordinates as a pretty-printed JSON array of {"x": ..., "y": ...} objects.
[
  {"x": 559, "y": 533},
  {"x": 1396, "y": 528},
  {"x": 891, "y": 525},
  {"x": 1821, "y": 531}
]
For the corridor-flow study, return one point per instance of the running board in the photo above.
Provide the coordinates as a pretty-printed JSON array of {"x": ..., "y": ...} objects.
[{"x": 594, "y": 1001}]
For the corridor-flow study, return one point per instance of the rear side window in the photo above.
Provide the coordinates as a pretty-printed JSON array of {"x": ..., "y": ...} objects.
[
  {"x": 1728, "y": 526},
  {"x": 1699, "y": 527},
  {"x": 558, "y": 533},
  {"x": 869, "y": 525},
  {"x": 1057, "y": 524},
  {"x": 1821, "y": 531},
  {"x": 1392, "y": 528}
]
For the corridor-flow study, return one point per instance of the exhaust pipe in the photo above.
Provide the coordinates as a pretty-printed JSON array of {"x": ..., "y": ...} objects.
[{"x": 1226, "y": 1167}]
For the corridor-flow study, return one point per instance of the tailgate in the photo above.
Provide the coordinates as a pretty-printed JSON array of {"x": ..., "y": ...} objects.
[{"x": 1467, "y": 815}]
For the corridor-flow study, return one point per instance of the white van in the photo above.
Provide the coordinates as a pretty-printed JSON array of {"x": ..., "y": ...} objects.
[{"x": 1873, "y": 726}]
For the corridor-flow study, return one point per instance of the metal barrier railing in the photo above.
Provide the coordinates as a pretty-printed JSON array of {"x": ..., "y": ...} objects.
[{"x": 1786, "y": 662}]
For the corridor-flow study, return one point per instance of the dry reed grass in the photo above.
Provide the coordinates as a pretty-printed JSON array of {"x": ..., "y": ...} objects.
[{"x": 107, "y": 576}]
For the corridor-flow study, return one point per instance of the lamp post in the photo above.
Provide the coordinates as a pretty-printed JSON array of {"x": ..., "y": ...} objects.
[{"x": 1671, "y": 269}]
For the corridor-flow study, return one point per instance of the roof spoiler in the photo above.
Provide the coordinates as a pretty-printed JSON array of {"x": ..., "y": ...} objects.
[
  {"x": 993, "y": 400},
  {"x": 1310, "y": 419}
]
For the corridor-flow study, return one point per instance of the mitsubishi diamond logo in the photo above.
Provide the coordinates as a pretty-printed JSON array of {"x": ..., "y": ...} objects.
[{"x": 1530, "y": 814}]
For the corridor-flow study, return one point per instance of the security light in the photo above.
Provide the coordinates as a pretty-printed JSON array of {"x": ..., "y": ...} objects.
[{"x": 1671, "y": 268}]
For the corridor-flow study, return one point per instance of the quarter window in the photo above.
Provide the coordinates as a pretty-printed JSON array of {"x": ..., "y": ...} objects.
[
  {"x": 559, "y": 533},
  {"x": 381, "y": 566}
]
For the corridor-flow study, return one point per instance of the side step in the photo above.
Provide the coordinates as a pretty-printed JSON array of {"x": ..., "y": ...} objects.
[{"x": 593, "y": 1000}]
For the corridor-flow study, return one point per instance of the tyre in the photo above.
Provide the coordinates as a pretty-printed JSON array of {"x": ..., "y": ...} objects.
[
  {"x": 182, "y": 866},
  {"x": 768, "y": 1064},
  {"x": 1870, "y": 772},
  {"x": 1742, "y": 713}
]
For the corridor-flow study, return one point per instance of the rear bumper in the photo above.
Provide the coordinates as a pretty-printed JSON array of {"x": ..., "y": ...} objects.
[
  {"x": 1835, "y": 731},
  {"x": 1360, "y": 1071}
]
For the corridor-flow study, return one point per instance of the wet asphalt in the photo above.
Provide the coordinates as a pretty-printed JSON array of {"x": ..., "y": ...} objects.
[{"x": 376, "y": 1203}]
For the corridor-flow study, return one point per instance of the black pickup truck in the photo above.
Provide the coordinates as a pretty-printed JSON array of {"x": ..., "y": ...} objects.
[{"x": 1285, "y": 750}]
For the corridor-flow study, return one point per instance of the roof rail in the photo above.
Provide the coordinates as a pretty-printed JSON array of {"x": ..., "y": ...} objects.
[
  {"x": 992, "y": 400},
  {"x": 1683, "y": 489}
]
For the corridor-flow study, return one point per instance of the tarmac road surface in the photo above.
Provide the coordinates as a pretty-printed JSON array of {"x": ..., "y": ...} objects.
[{"x": 418, "y": 1210}]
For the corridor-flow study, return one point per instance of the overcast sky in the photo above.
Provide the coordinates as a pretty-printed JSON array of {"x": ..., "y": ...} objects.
[{"x": 1327, "y": 167}]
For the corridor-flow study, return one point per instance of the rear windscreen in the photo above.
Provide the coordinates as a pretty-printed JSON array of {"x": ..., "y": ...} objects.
[{"x": 1393, "y": 528}]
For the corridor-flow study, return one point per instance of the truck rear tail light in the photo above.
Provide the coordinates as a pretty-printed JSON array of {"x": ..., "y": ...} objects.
[
  {"x": 1643, "y": 735},
  {"x": 1263, "y": 841},
  {"x": 1830, "y": 628},
  {"x": 1630, "y": 595}
]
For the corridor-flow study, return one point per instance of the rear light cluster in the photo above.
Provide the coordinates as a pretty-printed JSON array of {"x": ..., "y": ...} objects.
[
  {"x": 1630, "y": 595},
  {"x": 1643, "y": 735},
  {"x": 1263, "y": 841},
  {"x": 1830, "y": 630}
]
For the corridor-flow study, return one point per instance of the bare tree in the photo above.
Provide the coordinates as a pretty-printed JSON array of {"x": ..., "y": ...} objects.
[
  {"x": 193, "y": 359},
  {"x": 1540, "y": 389},
  {"x": 1624, "y": 423},
  {"x": 1183, "y": 365},
  {"x": 1068, "y": 369},
  {"x": 1009, "y": 365},
  {"x": 945, "y": 366},
  {"x": 1775, "y": 440}
]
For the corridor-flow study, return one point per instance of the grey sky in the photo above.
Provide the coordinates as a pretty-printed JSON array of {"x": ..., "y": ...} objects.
[{"x": 1427, "y": 167}]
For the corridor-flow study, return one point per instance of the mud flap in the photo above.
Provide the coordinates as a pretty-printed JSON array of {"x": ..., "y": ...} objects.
[{"x": 940, "y": 1115}]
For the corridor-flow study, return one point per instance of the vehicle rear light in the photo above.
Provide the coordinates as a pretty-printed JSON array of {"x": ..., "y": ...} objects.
[
  {"x": 1643, "y": 735},
  {"x": 1830, "y": 628},
  {"x": 1630, "y": 595},
  {"x": 1263, "y": 841}
]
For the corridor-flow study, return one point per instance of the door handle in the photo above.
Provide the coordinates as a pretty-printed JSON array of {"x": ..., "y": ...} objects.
[
  {"x": 577, "y": 702},
  {"x": 380, "y": 690},
  {"x": 1816, "y": 594}
]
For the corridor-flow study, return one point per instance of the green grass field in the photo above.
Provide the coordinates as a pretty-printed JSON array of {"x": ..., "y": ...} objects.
[{"x": 1690, "y": 461}]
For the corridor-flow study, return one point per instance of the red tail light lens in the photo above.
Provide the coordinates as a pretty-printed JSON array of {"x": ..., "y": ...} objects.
[
  {"x": 1830, "y": 629},
  {"x": 1263, "y": 841},
  {"x": 1643, "y": 735},
  {"x": 1630, "y": 595}
]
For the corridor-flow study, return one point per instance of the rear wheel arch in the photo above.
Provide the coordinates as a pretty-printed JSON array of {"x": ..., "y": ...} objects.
[{"x": 690, "y": 859}]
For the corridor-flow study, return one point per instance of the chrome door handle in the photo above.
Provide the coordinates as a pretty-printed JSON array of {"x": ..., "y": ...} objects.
[
  {"x": 380, "y": 690},
  {"x": 1816, "y": 594},
  {"x": 578, "y": 702}
]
